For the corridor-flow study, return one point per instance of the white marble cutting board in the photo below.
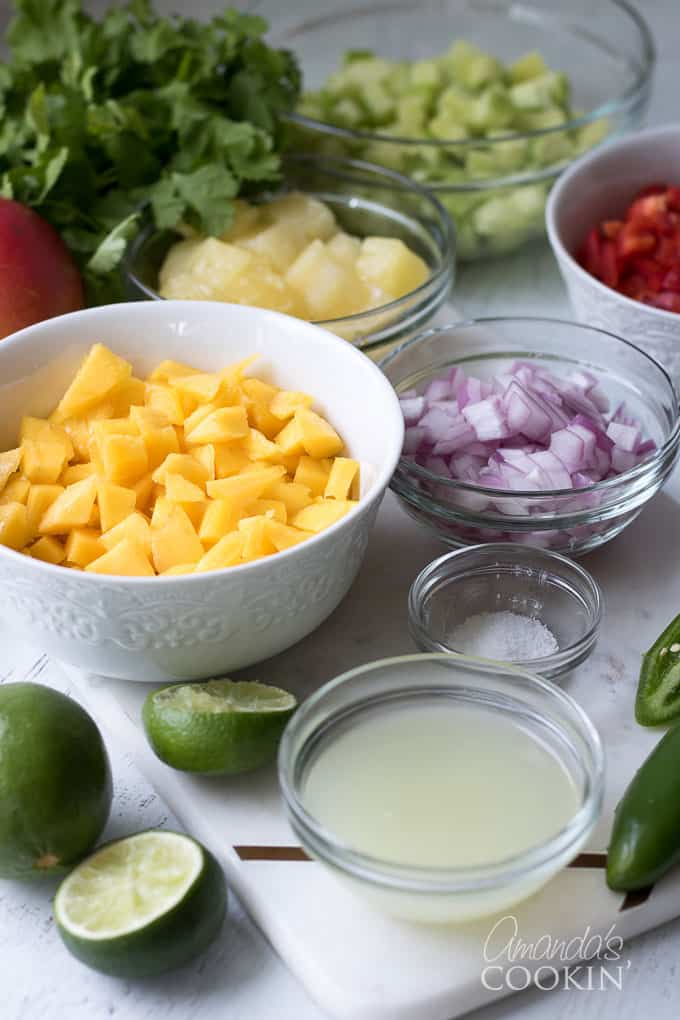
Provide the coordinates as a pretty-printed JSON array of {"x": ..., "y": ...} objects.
[{"x": 355, "y": 963}]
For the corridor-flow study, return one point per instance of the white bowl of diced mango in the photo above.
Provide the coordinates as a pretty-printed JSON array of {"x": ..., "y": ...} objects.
[{"x": 185, "y": 487}]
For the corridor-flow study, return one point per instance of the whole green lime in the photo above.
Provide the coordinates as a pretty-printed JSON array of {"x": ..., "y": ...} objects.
[
  {"x": 142, "y": 905},
  {"x": 55, "y": 781},
  {"x": 217, "y": 727}
]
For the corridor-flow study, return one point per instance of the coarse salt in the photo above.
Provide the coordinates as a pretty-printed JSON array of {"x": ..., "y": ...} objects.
[{"x": 506, "y": 636}]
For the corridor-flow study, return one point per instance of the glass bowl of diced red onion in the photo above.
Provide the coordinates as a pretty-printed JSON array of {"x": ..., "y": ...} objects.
[{"x": 538, "y": 431}]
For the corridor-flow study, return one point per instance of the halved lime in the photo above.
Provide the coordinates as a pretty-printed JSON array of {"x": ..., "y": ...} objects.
[
  {"x": 142, "y": 905},
  {"x": 217, "y": 727}
]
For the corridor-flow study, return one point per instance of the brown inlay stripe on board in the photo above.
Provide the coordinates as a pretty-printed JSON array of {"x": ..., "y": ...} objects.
[{"x": 296, "y": 853}]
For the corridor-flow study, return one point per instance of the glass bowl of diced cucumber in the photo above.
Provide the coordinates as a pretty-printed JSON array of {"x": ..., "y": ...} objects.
[{"x": 483, "y": 101}]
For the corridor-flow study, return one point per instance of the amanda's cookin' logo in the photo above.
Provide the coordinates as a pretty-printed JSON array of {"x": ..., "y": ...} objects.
[{"x": 589, "y": 962}]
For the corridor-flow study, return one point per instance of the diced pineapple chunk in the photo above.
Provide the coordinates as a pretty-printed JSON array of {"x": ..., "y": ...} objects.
[
  {"x": 84, "y": 545},
  {"x": 42, "y": 460},
  {"x": 48, "y": 549},
  {"x": 343, "y": 480},
  {"x": 123, "y": 458},
  {"x": 180, "y": 490},
  {"x": 159, "y": 442},
  {"x": 221, "y": 517},
  {"x": 222, "y": 426},
  {"x": 162, "y": 398},
  {"x": 99, "y": 374},
  {"x": 184, "y": 464},
  {"x": 330, "y": 289},
  {"x": 174, "y": 541},
  {"x": 47, "y": 431},
  {"x": 116, "y": 502},
  {"x": 126, "y": 559},
  {"x": 319, "y": 439},
  {"x": 225, "y": 553},
  {"x": 128, "y": 394},
  {"x": 169, "y": 369},
  {"x": 203, "y": 386},
  {"x": 293, "y": 496},
  {"x": 40, "y": 498},
  {"x": 386, "y": 263},
  {"x": 286, "y": 403},
  {"x": 344, "y": 248},
  {"x": 76, "y": 473},
  {"x": 113, "y": 427},
  {"x": 256, "y": 540},
  {"x": 313, "y": 474},
  {"x": 78, "y": 431},
  {"x": 16, "y": 490},
  {"x": 205, "y": 455},
  {"x": 258, "y": 447},
  {"x": 229, "y": 460},
  {"x": 274, "y": 509},
  {"x": 71, "y": 509},
  {"x": 290, "y": 438},
  {"x": 277, "y": 244},
  {"x": 308, "y": 215},
  {"x": 244, "y": 488},
  {"x": 282, "y": 536},
  {"x": 13, "y": 525},
  {"x": 9, "y": 463},
  {"x": 319, "y": 516},
  {"x": 135, "y": 527}
]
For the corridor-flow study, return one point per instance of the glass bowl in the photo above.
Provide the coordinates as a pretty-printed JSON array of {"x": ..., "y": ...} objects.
[
  {"x": 501, "y": 577},
  {"x": 443, "y": 894},
  {"x": 495, "y": 187},
  {"x": 572, "y": 521},
  {"x": 365, "y": 200}
]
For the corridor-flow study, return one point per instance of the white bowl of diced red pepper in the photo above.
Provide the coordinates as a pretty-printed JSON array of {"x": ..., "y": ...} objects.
[{"x": 613, "y": 221}]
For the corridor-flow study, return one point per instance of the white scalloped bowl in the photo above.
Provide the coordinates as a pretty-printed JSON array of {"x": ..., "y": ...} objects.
[
  {"x": 600, "y": 186},
  {"x": 194, "y": 626}
]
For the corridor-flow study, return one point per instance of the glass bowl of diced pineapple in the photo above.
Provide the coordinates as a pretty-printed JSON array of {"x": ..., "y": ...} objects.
[
  {"x": 484, "y": 103},
  {"x": 357, "y": 249}
]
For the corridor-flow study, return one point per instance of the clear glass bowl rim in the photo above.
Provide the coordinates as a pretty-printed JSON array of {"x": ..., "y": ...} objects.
[
  {"x": 424, "y": 880},
  {"x": 620, "y": 103},
  {"x": 667, "y": 449},
  {"x": 451, "y": 564},
  {"x": 440, "y": 279}
]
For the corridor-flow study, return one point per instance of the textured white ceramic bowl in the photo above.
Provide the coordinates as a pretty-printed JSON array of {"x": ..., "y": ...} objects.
[
  {"x": 600, "y": 186},
  {"x": 195, "y": 626}
]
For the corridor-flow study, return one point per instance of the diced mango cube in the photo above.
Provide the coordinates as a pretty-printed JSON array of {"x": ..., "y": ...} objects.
[
  {"x": 225, "y": 553},
  {"x": 258, "y": 447},
  {"x": 100, "y": 373},
  {"x": 290, "y": 438},
  {"x": 135, "y": 527},
  {"x": 202, "y": 386},
  {"x": 143, "y": 490},
  {"x": 47, "y": 431},
  {"x": 169, "y": 369},
  {"x": 16, "y": 490},
  {"x": 161, "y": 397},
  {"x": 180, "y": 490},
  {"x": 206, "y": 456},
  {"x": 174, "y": 541},
  {"x": 319, "y": 516},
  {"x": 48, "y": 549},
  {"x": 184, "y": 464},
  {"x": 256, "y": 540},
  {"x": 126, "y": 559},
  {"x": 274, "y": 509},
  {"x": 76, "y": 473},
  {"x": 180, "y": 568},
  {"x": 84, "y": 545},
  {"x": 146, "y": 418},
  {"x": 123, "y": 458},
  {"x": 13, "y": 525},
  {"x": 113, "y": 427},
  {"x": 343, "y": 480},
  {"x": 282, "y": 536},
  {"x": 313, "y": 474},
  {"x": 159, "y": 442},
  {"x": 318, "y": 437},
  {"x": 116, "y": 502},
  {"x": 71, "y": 509},
  {"x": 222, "y": 426},
  {"x": 293, "y": 495},
  {"x": 42, "y": 460},
  {"x": 221, "y": 517},
  {"x": 9, "y": 463},
  {"x": 78, "y": 431},
  {"x": 229, "y": 460},
  {"x": 287, "y": 402},
  {"x": 129, "y": 393}
]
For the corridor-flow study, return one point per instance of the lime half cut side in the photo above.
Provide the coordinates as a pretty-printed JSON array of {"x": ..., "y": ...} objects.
[
  {"x": 217, "y": 727},
  {"x": 142, "y": 905}
]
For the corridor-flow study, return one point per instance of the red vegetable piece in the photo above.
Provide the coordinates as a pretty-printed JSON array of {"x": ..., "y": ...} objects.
[{"x": 666, "y": 300}]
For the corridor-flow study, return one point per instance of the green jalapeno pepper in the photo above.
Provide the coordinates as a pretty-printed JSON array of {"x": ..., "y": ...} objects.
[{"x": 658, "y": 695}]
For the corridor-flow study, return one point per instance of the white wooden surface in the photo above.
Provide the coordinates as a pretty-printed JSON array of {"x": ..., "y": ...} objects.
[{"x": 240, "y": 978}]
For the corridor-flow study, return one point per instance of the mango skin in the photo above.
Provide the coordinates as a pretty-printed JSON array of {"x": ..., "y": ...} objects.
[{"x": 39, "y": 277}]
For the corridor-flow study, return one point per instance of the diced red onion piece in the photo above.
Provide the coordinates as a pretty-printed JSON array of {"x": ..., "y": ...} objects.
[
  {"x": 626, "y": 437},
  {"x": 487, "y": 418},
  {"x": 413, "y": 437},
  {"x": 412, "y": 408}
]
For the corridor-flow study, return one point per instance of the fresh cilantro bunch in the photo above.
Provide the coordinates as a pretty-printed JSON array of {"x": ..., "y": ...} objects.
[{"x": 98, "y": 118}]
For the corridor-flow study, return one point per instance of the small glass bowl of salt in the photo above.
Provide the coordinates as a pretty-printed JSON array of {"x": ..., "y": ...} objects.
[{"x": 510, "y": 603}]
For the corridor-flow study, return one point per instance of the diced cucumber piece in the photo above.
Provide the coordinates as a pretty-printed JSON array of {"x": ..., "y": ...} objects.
[
  {"x": 510, "y": 155},
  {"x": 542, "y": 120},
  {"x": 531, "y": 65},
  {"x": 471, "y": 66},
  {"x": 512, "y": 215},
  {"x": 551, "y": 150},
  {"x": 592, "y": 134},
  {"x": 363, "y": 72},
  {"x": 425, "y": 74},
  {"x": 351, "y": 56},
  {"x": 446, "y": 129},
  {"x": 388, "y": 154},
  {"x": 480, "y": 163},
  {"x": 378, "y": 103},
  {"x": 347, "y": 113},
  {"x": 412, "y": 114},
  {"x": 492, "y": 110},
  {"x": 537, "y": 93},
  {"x": 454, "y": 104}
]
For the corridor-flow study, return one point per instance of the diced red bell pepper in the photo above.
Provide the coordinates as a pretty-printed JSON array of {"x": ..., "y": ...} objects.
[
  {"x": 666, "y": 300},
  {"x": 671, "y": 280}
]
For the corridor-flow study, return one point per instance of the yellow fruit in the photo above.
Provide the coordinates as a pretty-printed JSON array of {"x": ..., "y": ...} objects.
[
  {"x": 9, "y": 463},
  {"x": 76, "y": 473},
  {"x": 116, "y": 502},
  {"x": 40, "y": 498},
  {"x": 344, "y": 248},
  {"x": 71, "y": 509},
  {"x": 319, "y": 439},
  {"x": 84, "y": 545},
  {"x": 319, "y": 516},
  {"x": 174, "y": 540},
  {"x": 41, "y": 429},
  {"x": 221, "y": 517},
  {"x": 244, "y": 488},
  {"x": 162, "y": 398},
  {"x": 128, "y": 394},
  {"x": 78, "y": 431},
  {"x": 256, "y": 540},
  {"x": 282, "y": 536},
  {"x": 16, "y": 490},
  {"x": 48, "y": 549},
  {"x": 386, "y": 263},
  {"x": 343, "y": 480},
  {"x": 205, "y": 455},
  {"x": 135, "y": 527},
  {"x": 229, "y": 460},
  {"x": 42, "y": 461},
  {"x": 203, "y": 386},
  {"x": 313, "y": 474},
  {"x": 221, "y": 426},
  {"x": 100, "y": 373},
  {"x": 124, "y": 458},
  {"x": 126, "y": 559},
  {"x": 330, "y": 289},
  {"x": 180, "y": 490},
  {"x": 290, "y": 439},
  {"x": 258, "y": 447},
  {"x": 274, "y": 509},
  {"x": 143, "y": 490},
  {"x": 169, "y": 369},
  {"x": 293, "y": 495},
  {"x": 307, "y": 214},
  {"x": 184, "y": 464},
  {"x": 286, "y": 403},
  {"x": 225, "y": 553},
  {"x": 13, "y": 525}
]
